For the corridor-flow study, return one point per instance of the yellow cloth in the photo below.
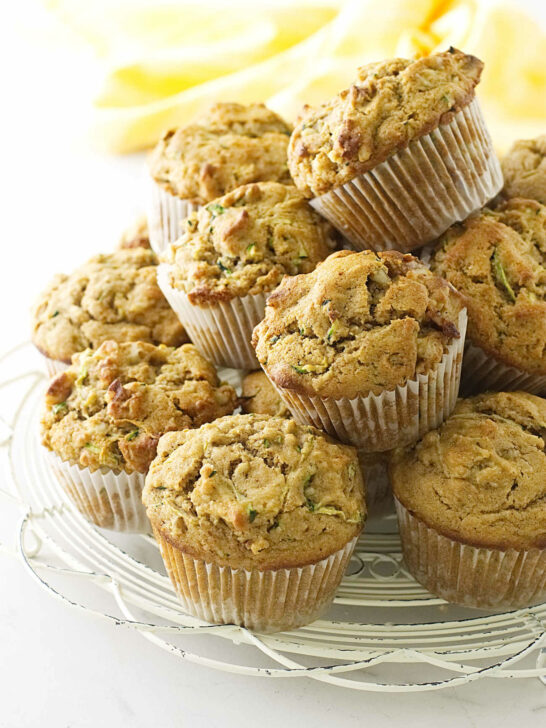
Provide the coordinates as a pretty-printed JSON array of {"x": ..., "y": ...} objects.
[{"x": 165, "y": 61}]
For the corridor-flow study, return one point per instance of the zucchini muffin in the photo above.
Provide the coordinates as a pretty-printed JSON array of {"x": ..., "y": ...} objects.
[
  {"x": 524, "y": 170},
  {"x": 368, "y": 347},
  {"x": 260, "y": 397},
  {"x": 111, "y": 297},
  {"x": 497, "y": 260},
  {"x": 229, "y": 145},
  {"x": 232, "y": 253},
  {"x": 104, "y": 415},
  {"x": 256, "y": 518},
  {"x": 401, "y": 154},
  {"x": 471, "y": 501},
  {"x": 136, "y": 236}
]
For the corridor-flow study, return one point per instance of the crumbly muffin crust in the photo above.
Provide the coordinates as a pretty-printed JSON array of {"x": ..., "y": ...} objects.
[
  {"x": 113, "y": 296},
  {"x": 497, "y": 261},
  {"x": 227, "y": 146},
  {"x": 260, "y": 397},
  {"x": 480, "y": 477},
  {"x": 253, "y": 491},
  {"x": 111, "y": 406},
  {"x": 245, "y": 242},
  {"x": 360, "y": 323},
  {"x": 390, "y": 104},
  {"x": 524, "y": 169},
  {"x": 136, "y": 236}
]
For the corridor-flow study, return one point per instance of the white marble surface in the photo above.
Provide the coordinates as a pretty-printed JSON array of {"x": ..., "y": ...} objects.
[{"x": 58, "y": 667}]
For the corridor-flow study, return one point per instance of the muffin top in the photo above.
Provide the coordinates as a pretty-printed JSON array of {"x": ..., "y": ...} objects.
[
  {"x": 390, "y": 104},
  {"x": 497, "y": 260},
  {"x": 252, "y": 491},
  {"x": 361, "y": 323},
  {"x": 136, "y": 236},
  {"x": 479, "y": 478},
  {"x": 524, "y": 169},
  {"x": 111, "y": 406},
  {"x": 245, "y": 242},
  {"x": 113, "y": 296},
  {"x": 261, "y": 398},
  {"x": 227, "y": 146}
]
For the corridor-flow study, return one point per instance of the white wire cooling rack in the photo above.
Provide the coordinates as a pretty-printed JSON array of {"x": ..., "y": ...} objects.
[{"x": 383, "y": 633}]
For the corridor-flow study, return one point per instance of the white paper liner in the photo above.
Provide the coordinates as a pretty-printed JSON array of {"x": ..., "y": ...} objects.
[
  {"x": 481, "y": 372},
  {"x": 264, "y": 601},
  {"x": 107, "y": 498},
  {"x": 166, "y": 214},
  {"x": 54, "y": 366},
  {"x": 470, "y": 575},
  {"x": 391, "y": 419},
  {"x": 416, "y": 194},
  {"x": 376, "y": 478},
  {"x": 222, "y": 332}
]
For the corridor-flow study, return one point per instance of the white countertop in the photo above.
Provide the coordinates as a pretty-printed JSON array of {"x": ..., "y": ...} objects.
[{"x": 59, "y": 668}]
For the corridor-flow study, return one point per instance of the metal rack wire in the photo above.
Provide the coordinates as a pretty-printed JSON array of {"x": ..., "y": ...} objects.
[{"x": 383, "y": 633}]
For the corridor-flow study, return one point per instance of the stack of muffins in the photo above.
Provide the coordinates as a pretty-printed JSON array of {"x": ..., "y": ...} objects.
[{"x": 290, "y": 250}]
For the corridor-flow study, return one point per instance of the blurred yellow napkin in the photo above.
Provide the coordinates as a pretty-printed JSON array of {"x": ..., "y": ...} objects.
[{"x": 162, "y": 62}]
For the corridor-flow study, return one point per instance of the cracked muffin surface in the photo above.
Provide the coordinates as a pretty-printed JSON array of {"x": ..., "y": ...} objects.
[
  {"x": 255, "y": 491},
  {"x": 360, "y": 323},
  {"x": 136, "y": 235},
  {"x": 109, "y": 408},
  {"x": 524, "y": 169},
  {"x": 480, "y": 477},
  {"x": 390, "y": 104},
  {"x": 260, "y": 397},
  {"x": 497, "y": 261},
  {"x": 111, "y": 297},
  {"x": 245, "y": 242},
  {"x": 227, "y": 146}
]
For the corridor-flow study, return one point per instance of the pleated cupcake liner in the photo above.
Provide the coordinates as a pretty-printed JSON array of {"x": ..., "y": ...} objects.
[
  {"x": 263, "y": 601},
  {"x": 107, "y": 498},
  {"x": 482, "y": 372},
  {"x": 471, "y": 576},
  {"x": 376, "y": 478},
  {"x": 398, "y": 417},
  {"x": 166, "y": 214},
  {"x": 222, "y": 332},
  {"x": 416, "y": 194},
  {"x": 54, "y": 366}
]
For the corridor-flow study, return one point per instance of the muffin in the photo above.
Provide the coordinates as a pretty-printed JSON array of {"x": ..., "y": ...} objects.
[
  {"x": 497, "y": 260},
  {"x": 104, "y": 415},
  {"x": 471, "y": 502},
  {"x": 401, "y": 154},
  {"x": 256, "y": 518},
  {"x": 136, "y": 236},
  {"x": 233, "y": 252},
  {"x": 260, "y": 397},
  {"x": 111, "y": 297},
  {"x": 367, "y": 347},
  {"x": 524, "y": 170},
  {"x": 229, "y": 145}
]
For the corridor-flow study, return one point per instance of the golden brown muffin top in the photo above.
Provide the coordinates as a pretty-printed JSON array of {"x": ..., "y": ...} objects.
[
  {"x": 524, "y": 169},
  {"x": 390, "y": 104},
  {"x": 113, "y": 296},
  {"x": 136, "y": 236},
  {"x": 227, "y": 146},
  {"x": 245, "y": 242},
  {"x": 111, "y": 406},
  {"x": 480, "y": 478},
  {"x": 261, "y": 398},
  {"x": 252, "y": 491},
  {"x": 360, "y": 323},
  {"x": 497, "y": 261}
]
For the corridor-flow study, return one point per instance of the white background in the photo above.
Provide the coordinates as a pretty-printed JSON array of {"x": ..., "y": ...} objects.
[{"x": 61, "y": 202}]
